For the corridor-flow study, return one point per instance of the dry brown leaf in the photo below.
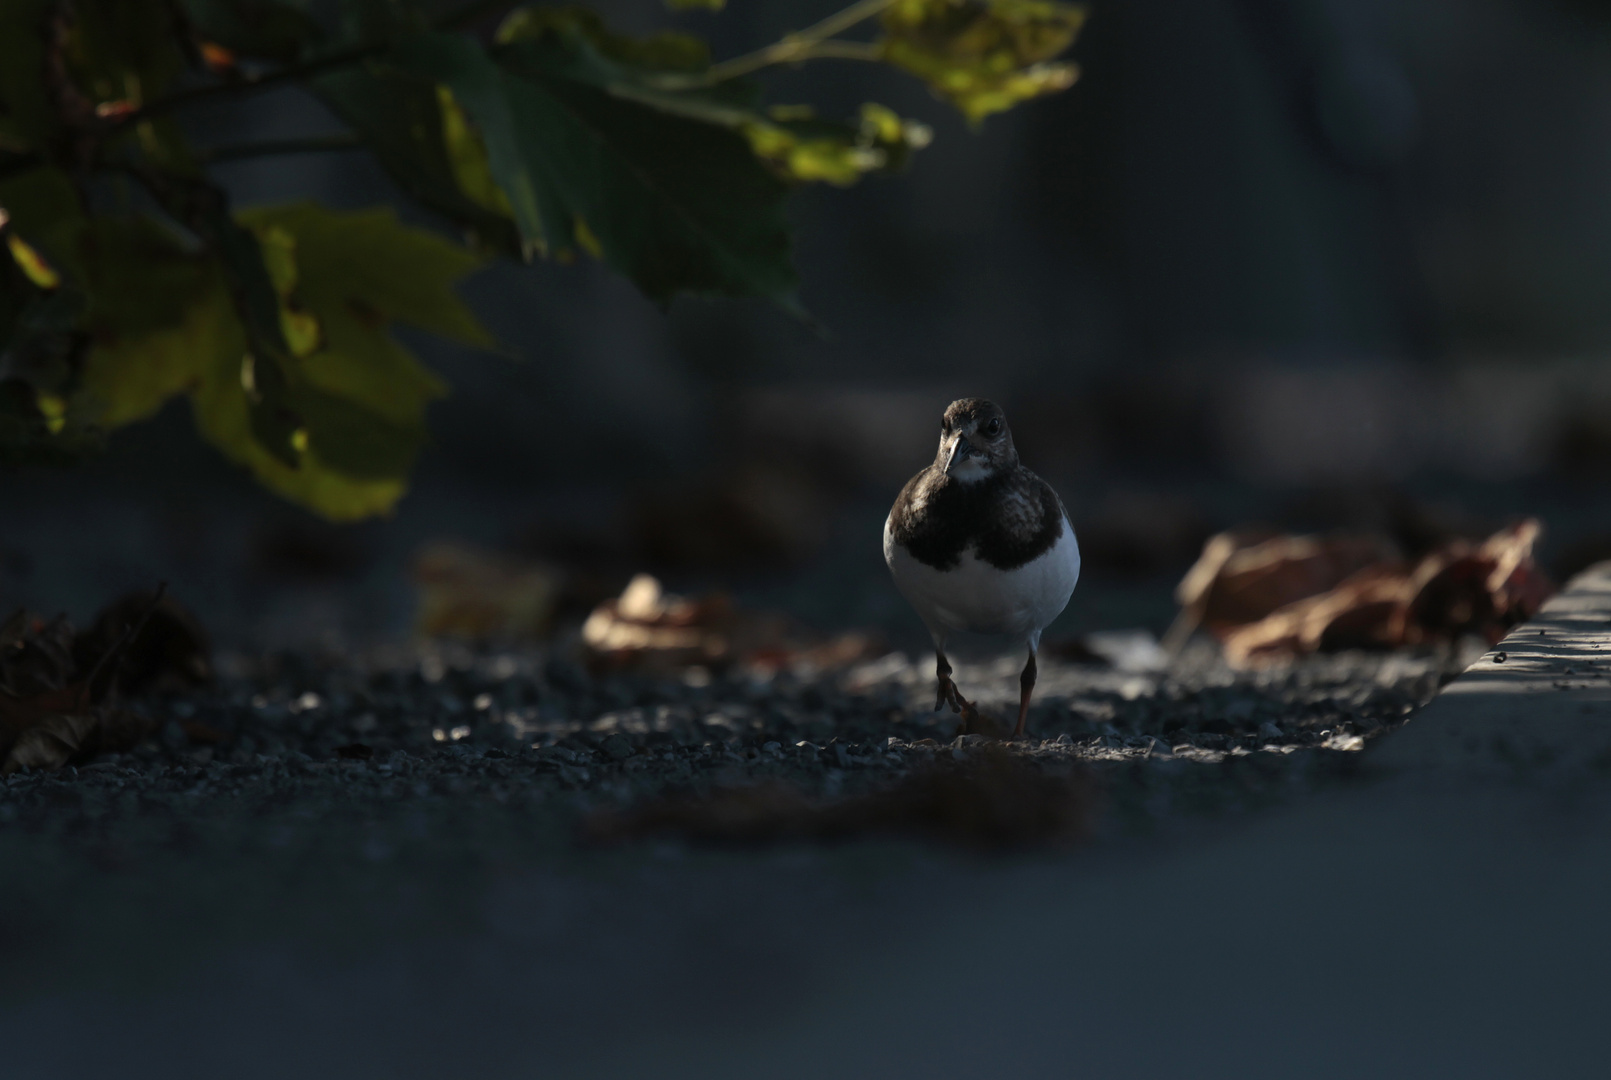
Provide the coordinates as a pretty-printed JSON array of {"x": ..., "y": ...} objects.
[
  {"x": 170, "y": 652},
  {"x": 58, "y": 690},
  {"x": 646, "y": 626},
  {"x": 1459, "y": 588},
  {"x": 1361, "y": 612},
  {"x": 35, "y": 655},
  {"x": 1243, "y": 577},
  {"x": 1484, "y": 589},
  {"x": 650, "y": 629},
  {"x": 52, "y": 742}
]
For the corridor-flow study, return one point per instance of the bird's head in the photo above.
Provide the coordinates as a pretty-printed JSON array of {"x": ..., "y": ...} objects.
[{"x": 975, "y": 443}]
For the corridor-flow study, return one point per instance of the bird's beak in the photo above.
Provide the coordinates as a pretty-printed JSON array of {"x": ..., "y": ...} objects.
[{"x": 959, "y": 451}]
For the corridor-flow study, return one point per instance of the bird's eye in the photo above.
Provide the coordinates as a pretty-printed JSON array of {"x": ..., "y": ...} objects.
[{"x": 993, "y": 428}]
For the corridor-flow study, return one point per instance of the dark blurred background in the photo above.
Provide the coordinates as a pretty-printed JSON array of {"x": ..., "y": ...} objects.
[{"x": 1310, "y": 263}]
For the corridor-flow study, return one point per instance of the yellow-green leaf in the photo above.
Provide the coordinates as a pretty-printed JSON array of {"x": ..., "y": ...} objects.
[
  {"x": 223, "y": 417},
  {"x": 33, "y": 265},
  {"x": 357, "y": 398},
  {"x": 467, "y": 157},
  {"x": 803, "y": 149},
  {"x": 131, "y": 378},
  {"x": 44, "y": 207},
  {"x": 665, "y": 51},
  {"x": 983, "y": 56},
  {"x": 369, "y": 261}
]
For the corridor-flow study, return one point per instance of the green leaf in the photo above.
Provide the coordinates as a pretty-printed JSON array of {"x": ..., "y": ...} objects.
[
  {"x": 258, "y": 29},
  {"x": 423, "y": 146},
  {"x": 478, "y": 86},
  {"x": 39, "y": 349},
  {"x": 667, "y": 51},
  {"x": 983, "y": 56},
  {"x": 27, "y": 120},
  {"x": 275, "y": 421},
  {"x": 677, "y": 204},
  {"x": 696, "y": 5},
  {"x": 352, "y": 400},
  {"x": 31, "y": 436},
  {"x": 45, "y": 210},
  {"x": 808, "y": 150},
  {"x": 357, "y": 397},
  {"x": 138, "y": 277},
  {"x": 122, "y": 50},
  {"x": 367, "y": 262},
  {"x": 467, "y": 157},
  {"x": 361, "y": 396},
  {"x": 212, "y": 337},
  {"x": 140, "y": 287}
]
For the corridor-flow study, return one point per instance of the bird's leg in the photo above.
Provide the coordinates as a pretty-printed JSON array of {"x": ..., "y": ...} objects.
[
  {"x": 947, "y": 693},
  {"x": 1026, "y": 687},
  {"x": 950, "y": 695}
]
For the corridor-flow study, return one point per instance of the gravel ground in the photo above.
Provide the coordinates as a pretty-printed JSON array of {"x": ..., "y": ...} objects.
[
  {"x": 242, "y": 831},
  {"x": 291, "y": 738}
]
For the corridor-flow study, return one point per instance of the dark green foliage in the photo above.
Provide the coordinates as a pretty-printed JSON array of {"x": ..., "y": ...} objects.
[{"x": 126, "y": 278}]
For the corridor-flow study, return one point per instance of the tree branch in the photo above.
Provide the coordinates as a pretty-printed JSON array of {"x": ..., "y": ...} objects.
[
  {"x": 840, "y": 50},
  {"x": 294, "y": 73},
  {"x": 472, "y": 13},
  {"x": 316, "y": 144},
  {"x": 459, "y": 19},
  {"x": 809, "y": 44}
]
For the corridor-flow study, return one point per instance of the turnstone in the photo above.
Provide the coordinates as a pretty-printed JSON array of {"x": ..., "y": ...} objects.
[{"x": 978, "y": 543}]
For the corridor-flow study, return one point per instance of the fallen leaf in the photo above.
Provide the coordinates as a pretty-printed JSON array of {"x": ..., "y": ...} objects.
[
  {"x": 53, "y": 741},
  {"x": 58, "y": 690},
  {"x": 1361, "y": 612},
  {"x": 170, "y": 652},
  {"x": 35, "y": 655},
  {"x": 649, "y": 628},
  {"x": 1269, "y": 599},
  {"x": 1241, "y": 577}
]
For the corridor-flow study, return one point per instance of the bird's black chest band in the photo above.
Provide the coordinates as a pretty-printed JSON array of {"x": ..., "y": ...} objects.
[{"x": 1007, "y": 520}]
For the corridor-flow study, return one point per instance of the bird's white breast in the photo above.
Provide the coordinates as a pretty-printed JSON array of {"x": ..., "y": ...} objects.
[{"x": 976, "y": 597}]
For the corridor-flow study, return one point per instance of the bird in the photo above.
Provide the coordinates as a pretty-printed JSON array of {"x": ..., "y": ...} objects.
[{"x": 978, "y": 543}]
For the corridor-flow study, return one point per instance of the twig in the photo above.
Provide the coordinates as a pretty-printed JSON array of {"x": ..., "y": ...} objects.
[
  {"x": 130, "y": 631},
  {"x": 797, "y": 46},
  {"x": 455, "y": 20},
  {"x": 472, "y": 13},
  {"x": 251, "y": 85},
  {"x": 315, "y": 144}
]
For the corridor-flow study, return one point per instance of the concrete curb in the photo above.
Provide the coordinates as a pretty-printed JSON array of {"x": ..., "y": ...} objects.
[{"x": 1536, "y": 705}]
